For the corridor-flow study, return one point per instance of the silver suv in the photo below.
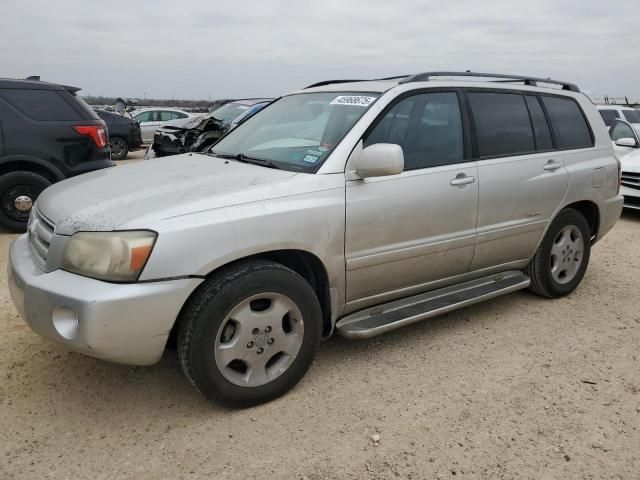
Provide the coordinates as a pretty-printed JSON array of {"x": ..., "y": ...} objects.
[{"x": 350, "y": 206}]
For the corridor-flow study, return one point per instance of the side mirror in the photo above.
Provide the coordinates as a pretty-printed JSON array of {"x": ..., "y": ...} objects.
[
  {"x": 627, "y": 142},
  {"x": 379, "y": 160}
]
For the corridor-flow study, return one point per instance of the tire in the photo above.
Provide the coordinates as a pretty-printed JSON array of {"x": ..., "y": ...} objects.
[
  {"x": 14, "y": 214},
  {"x": 249, "y": 334},
  {"x": 561, "y": 260},
  {"x": 119, "y": 148}
]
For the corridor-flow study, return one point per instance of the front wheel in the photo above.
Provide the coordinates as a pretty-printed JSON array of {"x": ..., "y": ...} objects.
[
  {"x": 561, "y": 260},
  {"x": 18, "y": 193},
  {"x": 250, "y": 333}
]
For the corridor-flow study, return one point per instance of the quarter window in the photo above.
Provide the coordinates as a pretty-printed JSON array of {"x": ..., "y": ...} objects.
[
  {"x": 609, "y": 116},
  {"x": 568, "y": 122},
  {"x": 502, "y": 124},
  {"x": 427, "y": 126},
  {"x": 540, "y": 126}
]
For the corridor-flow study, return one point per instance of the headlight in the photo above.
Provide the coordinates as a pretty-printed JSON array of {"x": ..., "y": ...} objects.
[{"x": 111, "y": 256}]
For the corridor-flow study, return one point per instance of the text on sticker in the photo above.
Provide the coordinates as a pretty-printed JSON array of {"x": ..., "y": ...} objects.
[{"x": 353, "y": 100}]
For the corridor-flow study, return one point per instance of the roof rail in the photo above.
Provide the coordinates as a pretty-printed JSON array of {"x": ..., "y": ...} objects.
[
  {"x": 330, "y": 82},
  {"x": 393, "y": 78},
  {"x": 532, "y": 81}
]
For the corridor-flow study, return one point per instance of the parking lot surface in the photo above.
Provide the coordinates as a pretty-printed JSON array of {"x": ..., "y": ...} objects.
[{"x": 518, "y": 387}]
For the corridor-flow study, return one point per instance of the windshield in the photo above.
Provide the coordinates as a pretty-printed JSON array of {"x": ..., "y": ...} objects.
[
  {"x": 226, "y": 114},
  {"x": 297, "y": 132},
  {"x": 229, "y": 112},
  {"x": 632, "y": 116}
]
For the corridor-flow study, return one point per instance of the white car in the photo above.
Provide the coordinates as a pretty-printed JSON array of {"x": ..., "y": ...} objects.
[
  {"x": 152, "y": 118},
  {"x": 610, "y": 113},
  {"x": 626, "y": 146}
]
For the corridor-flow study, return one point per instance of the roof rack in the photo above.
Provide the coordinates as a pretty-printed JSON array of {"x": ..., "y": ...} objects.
[
  {"x": 330, "y": 82},
  {"x": 532, "y": 81},
  {"x": 393, "y": 78}
]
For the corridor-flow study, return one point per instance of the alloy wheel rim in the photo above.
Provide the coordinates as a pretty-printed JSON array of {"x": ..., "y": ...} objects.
[
  {"x": 117, "y": 147},
  {"x": 259, "y": 339},
  {"x": 13, "y": 199},
  {"x": 567, "y": 252}
]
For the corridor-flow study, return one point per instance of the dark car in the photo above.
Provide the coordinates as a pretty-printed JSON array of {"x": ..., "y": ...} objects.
[
  {"x": 47, "y": 133},
  {"x": 124, "y": 134},
  {"x": 197, "y": 133}
]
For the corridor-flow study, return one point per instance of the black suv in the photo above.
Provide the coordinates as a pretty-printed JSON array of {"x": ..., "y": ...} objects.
[
  {"x": 124, "y": 134},
  {"x": 47, "y": 134}
]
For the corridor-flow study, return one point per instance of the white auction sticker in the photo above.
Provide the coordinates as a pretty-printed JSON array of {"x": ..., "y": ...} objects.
[{"x": 354, "y": 100}]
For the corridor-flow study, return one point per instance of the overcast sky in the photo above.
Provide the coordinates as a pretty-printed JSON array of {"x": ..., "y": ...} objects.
[{"x": 232, "y": 48}]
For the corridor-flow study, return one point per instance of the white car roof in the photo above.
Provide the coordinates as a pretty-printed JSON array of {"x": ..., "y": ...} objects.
[{"x": 446, "y": 79}]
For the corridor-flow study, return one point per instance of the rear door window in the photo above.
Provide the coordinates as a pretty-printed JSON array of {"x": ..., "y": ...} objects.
[
  {"x": 43, "y": 105},
  {"x": 541, "y": 130},
  {"x": 165, "y": 116},
  {"x": 609, "y": 116},
  {"x": 502, "y": 124},
  {"x": 568, "y": 121}
]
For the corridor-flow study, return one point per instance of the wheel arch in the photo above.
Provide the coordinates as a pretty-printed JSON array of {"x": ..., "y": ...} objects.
[
  {"x": 590, "y": 212},
  {"x": 304, "y": 263},
  {"x": 30, "y": 164},
  {"x": 121, "y": 137}
]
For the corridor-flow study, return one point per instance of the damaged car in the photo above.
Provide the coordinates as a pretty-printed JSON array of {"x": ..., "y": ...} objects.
[{"x": 196, "y": 134}]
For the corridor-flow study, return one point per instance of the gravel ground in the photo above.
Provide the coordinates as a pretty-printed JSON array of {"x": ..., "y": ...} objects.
[{"x": 519, "y": 387}]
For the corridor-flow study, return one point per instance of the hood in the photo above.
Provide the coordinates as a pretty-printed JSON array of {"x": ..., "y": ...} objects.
[
  {"x": 630, "y": 161},
  {"x": 182, "y": 122},
  {"x": 135, "y": 196}
]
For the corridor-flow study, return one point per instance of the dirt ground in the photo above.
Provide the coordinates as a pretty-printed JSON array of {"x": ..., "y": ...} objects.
[{"x": 519, "y": 387}]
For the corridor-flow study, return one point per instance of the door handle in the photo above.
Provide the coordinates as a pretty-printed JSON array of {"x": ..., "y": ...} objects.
[
  {"x": 462, "y": 179},
  {"x": 552, "y": 165}
]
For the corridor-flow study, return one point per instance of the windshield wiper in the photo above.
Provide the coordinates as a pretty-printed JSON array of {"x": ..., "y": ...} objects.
[{"x": 241, "y": 157}]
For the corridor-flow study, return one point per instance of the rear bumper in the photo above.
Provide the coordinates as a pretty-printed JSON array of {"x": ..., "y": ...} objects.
[
  {"x": 135, "y": 141},
  {"x": 124, "y": 323},
  {"x": 610, "y": 211}
]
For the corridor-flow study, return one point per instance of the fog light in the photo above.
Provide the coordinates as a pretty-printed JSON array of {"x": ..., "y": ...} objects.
[{"x": 65, "y": 322}]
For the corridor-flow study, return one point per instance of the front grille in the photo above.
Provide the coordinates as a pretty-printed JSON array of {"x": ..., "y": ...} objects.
[
  {"x": 631, "y": 180},
  {"x": 631, "y": 202},
  {"x": 40, "y": 233}
]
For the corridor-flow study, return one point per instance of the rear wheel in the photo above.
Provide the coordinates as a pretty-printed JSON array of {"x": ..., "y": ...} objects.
[
  {"x": 18, "y": 192},
  {"x": 249, "y": 334},
  {"x": 562, "y": 258},
  {"x": 119, "y": 148}
]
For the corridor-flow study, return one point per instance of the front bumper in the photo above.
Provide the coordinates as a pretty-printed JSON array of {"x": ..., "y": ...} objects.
[{"x": 124, "y": 323}]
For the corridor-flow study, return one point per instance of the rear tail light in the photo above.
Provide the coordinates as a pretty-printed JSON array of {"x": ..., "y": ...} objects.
[
  {"x": 619, "y": 174},
  {"x": 97, "y": 133}
]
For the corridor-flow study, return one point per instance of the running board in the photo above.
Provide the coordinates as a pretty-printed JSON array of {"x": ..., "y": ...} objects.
[{"x": 389, "y": 316}]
